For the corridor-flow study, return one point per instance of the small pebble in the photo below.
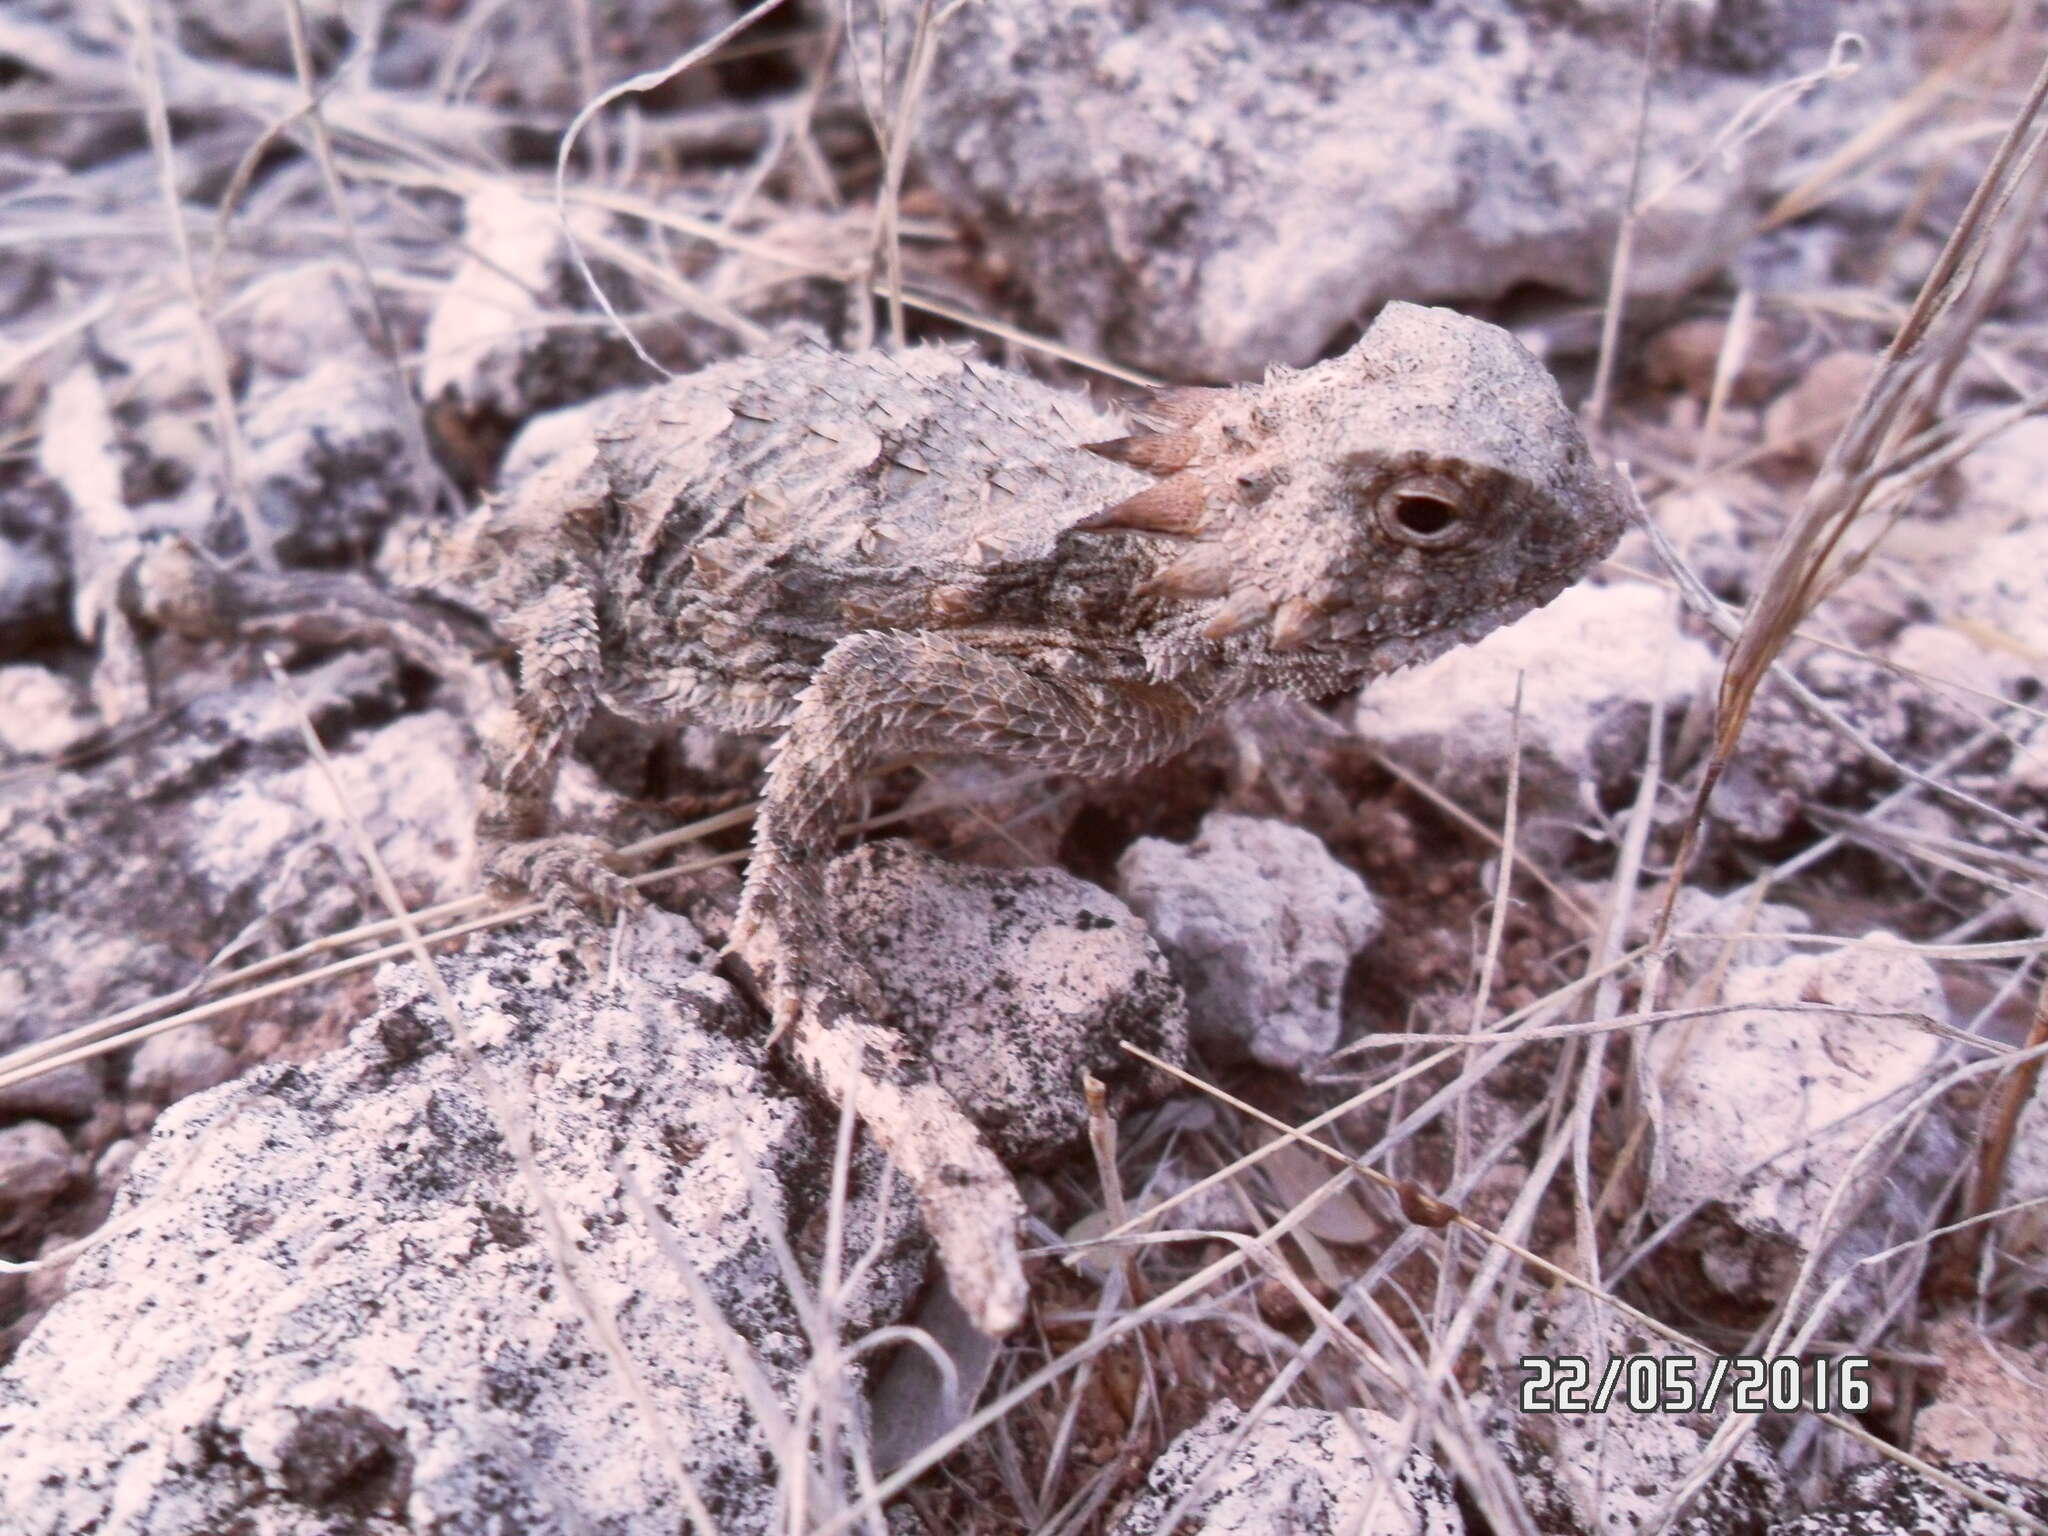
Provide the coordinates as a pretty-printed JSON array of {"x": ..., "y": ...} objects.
[{"x": 174, "y": 1065}]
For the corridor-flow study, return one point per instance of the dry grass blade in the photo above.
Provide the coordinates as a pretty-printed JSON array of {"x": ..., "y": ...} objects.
[
  {"x": 1994, "y": 1147},
  {"x": 1896, "y": 405},
  {"x": 213, "y": 358}
]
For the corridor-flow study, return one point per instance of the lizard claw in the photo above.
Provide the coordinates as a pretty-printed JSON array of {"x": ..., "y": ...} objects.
[{"x": 571, "y": 876}]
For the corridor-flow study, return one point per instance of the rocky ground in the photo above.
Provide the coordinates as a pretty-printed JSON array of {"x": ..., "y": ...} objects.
[{"x": 298, "y": 1235}]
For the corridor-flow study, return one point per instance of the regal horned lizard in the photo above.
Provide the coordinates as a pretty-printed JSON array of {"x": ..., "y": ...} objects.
[{"x": 872, "y": 556}]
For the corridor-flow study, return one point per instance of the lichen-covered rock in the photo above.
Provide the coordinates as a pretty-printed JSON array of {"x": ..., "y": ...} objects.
[
  {"x": 1758, "y": 1117},
  {"x": 330, "y": 463},
  {"x": 1017, "y": 982},
  {"x": 1207, "y": 188},
  {"x": 1591, "y": 665},
  {"x": 1261, "y": 923},
  {"x": 1300, "y": 1470},
  {"x": 1886, "y": 1499},
  {"x": 334, "y": 1305}
]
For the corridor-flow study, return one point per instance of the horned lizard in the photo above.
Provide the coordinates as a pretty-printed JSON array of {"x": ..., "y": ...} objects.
[{"x": 872, "y": 555}]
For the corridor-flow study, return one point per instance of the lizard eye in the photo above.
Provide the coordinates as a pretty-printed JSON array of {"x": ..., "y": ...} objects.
[{"x": 1427, "y": 511}]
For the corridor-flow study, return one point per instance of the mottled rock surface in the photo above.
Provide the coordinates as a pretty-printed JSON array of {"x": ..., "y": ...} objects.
[
  {"x": 1610, "y": 1473},
  {"x": 1299, "y": 1470},
  {"x": 1759, "y": 1117},
  {"x": 1592, "y": 665},
  {"x": 1207, "y": 188},
  {"x": 331, "y": 1305},
  {"x": 121, "y": 875},
  {"x": 1261, "y": 923},
  {"x": 1886, "y": 1499},
  {"x": 1017, "y": 981}
]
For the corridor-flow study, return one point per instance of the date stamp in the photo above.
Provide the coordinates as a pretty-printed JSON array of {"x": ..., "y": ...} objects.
[{"x": 1679, "y": 1383}]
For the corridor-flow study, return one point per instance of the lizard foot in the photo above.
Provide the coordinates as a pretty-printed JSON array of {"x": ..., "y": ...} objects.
[{"x": 571, "y": 876}]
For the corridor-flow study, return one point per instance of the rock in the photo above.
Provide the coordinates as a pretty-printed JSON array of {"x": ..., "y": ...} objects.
[
  {"x": 1710, "y": 934},
  {"x": 1261, "y": 924},
  {"x": 1805, "y": 419},
  {"x": 177, "y": 1064},
  {"x": 1706, "y": 532},
  {"x": 1989, "y": 1404},
  {"x": 1687, "y": 356},
  {"x": 327, "y": 1301},
  {"x": 1607, "y": 1473},
  {"x": 35, "y": 1166},
  {"x": 41, "y": 713},
  {"x": 1300, "y": 1469},
  {"x": 1204, "y": 189},
  {"x": 330, "y": 462},
  {"x": 1017, "y": 981},
  {"x": 1789, "y": 759},
  {"x": 2002, "y": 478},
  {"x": 506, "y": 338},
  {"x": 1592, "y": 664},
  {"x": 118, "y": 877},
  {"x": 67, "y": 1095},
  {"x": 1997, "y": 594},
  {"x": 35, "y": 577},
  {"x": 1758, "y": 1116},
  {"x": 1886, "y": 1499}
]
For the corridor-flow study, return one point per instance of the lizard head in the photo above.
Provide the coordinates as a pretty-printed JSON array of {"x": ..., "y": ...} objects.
[{"x": 1370, "y": 512}]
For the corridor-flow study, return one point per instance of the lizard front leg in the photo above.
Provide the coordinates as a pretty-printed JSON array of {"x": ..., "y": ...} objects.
[
  {"x": 557, "y": 640},
  {"x": 877, "y": 696}
]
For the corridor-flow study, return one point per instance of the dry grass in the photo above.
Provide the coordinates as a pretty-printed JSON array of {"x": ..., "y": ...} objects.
[{"x": 1142, "y": 1321}]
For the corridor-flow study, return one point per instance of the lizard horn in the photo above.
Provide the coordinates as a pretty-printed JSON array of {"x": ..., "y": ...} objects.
[
  {"x": 1177, "y": 506},
  {"x": 1156, "y": 453},
  {"x": 1297, "y": 621},
  {"x": 1204, "y": 572},
  {"x": 1240, "y": 611},
  {"x": 1182, "y": 405}
]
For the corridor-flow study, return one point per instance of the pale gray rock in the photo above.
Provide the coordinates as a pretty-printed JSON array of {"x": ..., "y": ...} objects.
[
  {"x": 1209, "y": 186},
  {"x": 177, "y": 1064},
  {"x": 1592, "y": 665},
  {"x": 1300, "y": 1470},
  {"x": 1261, "y": 923},
  {"x": 35, "y": 1165},
  {"x": 497, "y": 344},
  {"x": 1886, "y": 1499},
  {"x": 1761, "y": 1118},
  {"x": 1017, "y": 982},
  {"x": 330, "y": 462},
  {"x": 42, "y": 714},
  {"x": 327, "y": 1301}
]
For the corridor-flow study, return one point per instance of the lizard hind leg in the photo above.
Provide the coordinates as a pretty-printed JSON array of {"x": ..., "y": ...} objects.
[{"x": 877, "y": 696}]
